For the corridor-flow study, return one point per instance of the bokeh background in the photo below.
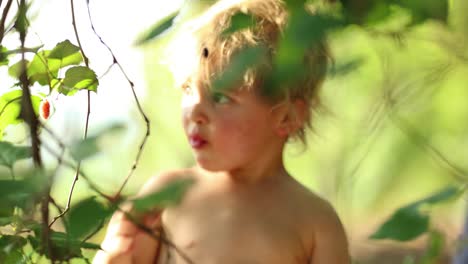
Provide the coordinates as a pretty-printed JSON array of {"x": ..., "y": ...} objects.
[{"x": 394, "y": 128}]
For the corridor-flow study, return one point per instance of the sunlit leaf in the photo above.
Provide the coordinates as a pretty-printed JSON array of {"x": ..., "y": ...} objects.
[
  {"x": 10, "y": 153},
  {"x": 159, "y": 28},
  {"x": 10, "y": 108},
  {"x": 78, "y": 78},
  {"x": 410, "y": 221},
  {"x": 41, "y": 70},
  {"x": 45, "y": 65},
  {"x": 64, "y": 50},
  {"x": 169, "y": 195},
  {"x": 80, "y": 222}
]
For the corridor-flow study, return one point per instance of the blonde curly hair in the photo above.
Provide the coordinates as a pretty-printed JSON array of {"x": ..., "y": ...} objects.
[{"x": 215, "y": 50}]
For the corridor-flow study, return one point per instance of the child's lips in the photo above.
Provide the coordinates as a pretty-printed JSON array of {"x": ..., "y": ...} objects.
[{"x": 197, "y": 142}]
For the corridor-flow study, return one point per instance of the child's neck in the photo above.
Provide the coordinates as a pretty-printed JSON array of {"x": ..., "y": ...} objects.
[{"x": 261, "y": 170}]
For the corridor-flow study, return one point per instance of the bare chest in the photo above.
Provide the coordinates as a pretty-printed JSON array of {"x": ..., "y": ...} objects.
[{"x": 219, "y": 229}]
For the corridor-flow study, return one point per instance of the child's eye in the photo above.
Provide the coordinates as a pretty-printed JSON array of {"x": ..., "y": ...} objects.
[{"x": 220, "y": 98}]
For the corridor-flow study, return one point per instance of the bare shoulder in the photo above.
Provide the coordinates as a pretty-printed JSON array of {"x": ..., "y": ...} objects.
[
  {"x": 161, "y": 179},
  {"x": 325, "y": 236}
]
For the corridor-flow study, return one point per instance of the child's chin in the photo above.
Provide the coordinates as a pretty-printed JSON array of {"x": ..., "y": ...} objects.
[{"x": 209, "y": 165}]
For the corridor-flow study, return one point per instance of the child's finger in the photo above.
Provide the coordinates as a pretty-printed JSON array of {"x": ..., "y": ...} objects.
[
  {"x": 119, "y": 225},
  {"x": 144, "y": 249},
  {"x": 115, "y": 250},
  {"x": 145, "y": 246}
]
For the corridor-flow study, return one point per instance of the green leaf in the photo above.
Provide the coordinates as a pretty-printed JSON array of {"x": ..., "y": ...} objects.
[
  {"x": 405, "y": 224},
  {"x": 434, "y": 248},
  {"x": 15, "y": 69},
  {"x": 11, "y": 247},
  {"x": 169, "y": 195},
  {"x": 3, "y": 56},
  {"x": 238, "y": 22},
  {"x": 64, "y": 51},
  {"x": 303, "y": 33},
  {"x": 441, "y": 196},
  {"x": 157, "y": 29},
  {"x": 10, "y": 108},
  {"x": 89, "y": 146},
  {"x": 5, "y": 220},
  {"x": 78, "y": 78},
  {"x": 80, "y": 222},
  {"x": 422, "y": 10},
  {"x": 45, "y": 65},
  {"x": 21, "y": 192},
  {"x": 9, "y": 153},
  {"x": 85, "y": 148},
  {"x": 15, "y": 257},
  {"x": 249, "y": 57},
  {"x": 12, "y": 241},
  {"x": 21, "y": 22},
  {"x": 41, "y": 69},
  {"x": 63, "y": 247},
  {"x": 409, "y": 221}
]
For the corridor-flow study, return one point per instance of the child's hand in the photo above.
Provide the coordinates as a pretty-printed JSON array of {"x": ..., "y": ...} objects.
[{"x": 125, "y": 243}]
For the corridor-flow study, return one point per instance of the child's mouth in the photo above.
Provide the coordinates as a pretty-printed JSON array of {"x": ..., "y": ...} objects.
[{"x": 197, "y": 141}]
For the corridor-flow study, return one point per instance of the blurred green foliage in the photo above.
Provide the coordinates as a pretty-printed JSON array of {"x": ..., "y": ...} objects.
[{"x": 391, "y": 134}]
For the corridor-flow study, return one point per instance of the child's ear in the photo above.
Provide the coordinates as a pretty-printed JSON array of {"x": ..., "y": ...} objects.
[{"x": 290, "y": 116}]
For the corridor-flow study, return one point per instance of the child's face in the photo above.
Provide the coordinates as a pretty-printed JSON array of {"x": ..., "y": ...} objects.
[{"x": 227, "y": 130}]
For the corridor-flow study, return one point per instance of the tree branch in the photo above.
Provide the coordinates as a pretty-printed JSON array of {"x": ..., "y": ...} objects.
[
  {"x": 140, "y": 108},
  {"x": 6, "y": 9}
]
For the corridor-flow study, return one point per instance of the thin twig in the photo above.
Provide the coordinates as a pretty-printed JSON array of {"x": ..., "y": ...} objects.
[
  {"x": 160, "y": 236},
  {"x": 88, "y": 112},
  {"x": 59, "y": 162},
  {"x": 6, "y": 9},
  {"x": 75, "y": 168},
  {"x": 140, "y": 108},
  {"x": 112, "y": 200}
]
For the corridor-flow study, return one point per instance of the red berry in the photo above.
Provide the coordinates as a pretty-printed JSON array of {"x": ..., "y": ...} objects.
[{"x": 44, "y": 109}]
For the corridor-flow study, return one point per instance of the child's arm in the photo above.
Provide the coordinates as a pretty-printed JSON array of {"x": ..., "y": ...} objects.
[
  {"x": 124, "y": 242},
  {"x": 331, "y": 245},
  {"x": 127, "y": 244}
]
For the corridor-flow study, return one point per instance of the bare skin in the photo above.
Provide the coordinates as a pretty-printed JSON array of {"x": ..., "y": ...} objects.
[
  {"x": 244, "y": 206},
  {"x": 275, "y": 220}
]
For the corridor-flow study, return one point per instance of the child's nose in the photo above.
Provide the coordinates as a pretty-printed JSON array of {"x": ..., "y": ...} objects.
[
  {"x": 195, "y": 108},
  {"x": 198, "y": 113}
]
